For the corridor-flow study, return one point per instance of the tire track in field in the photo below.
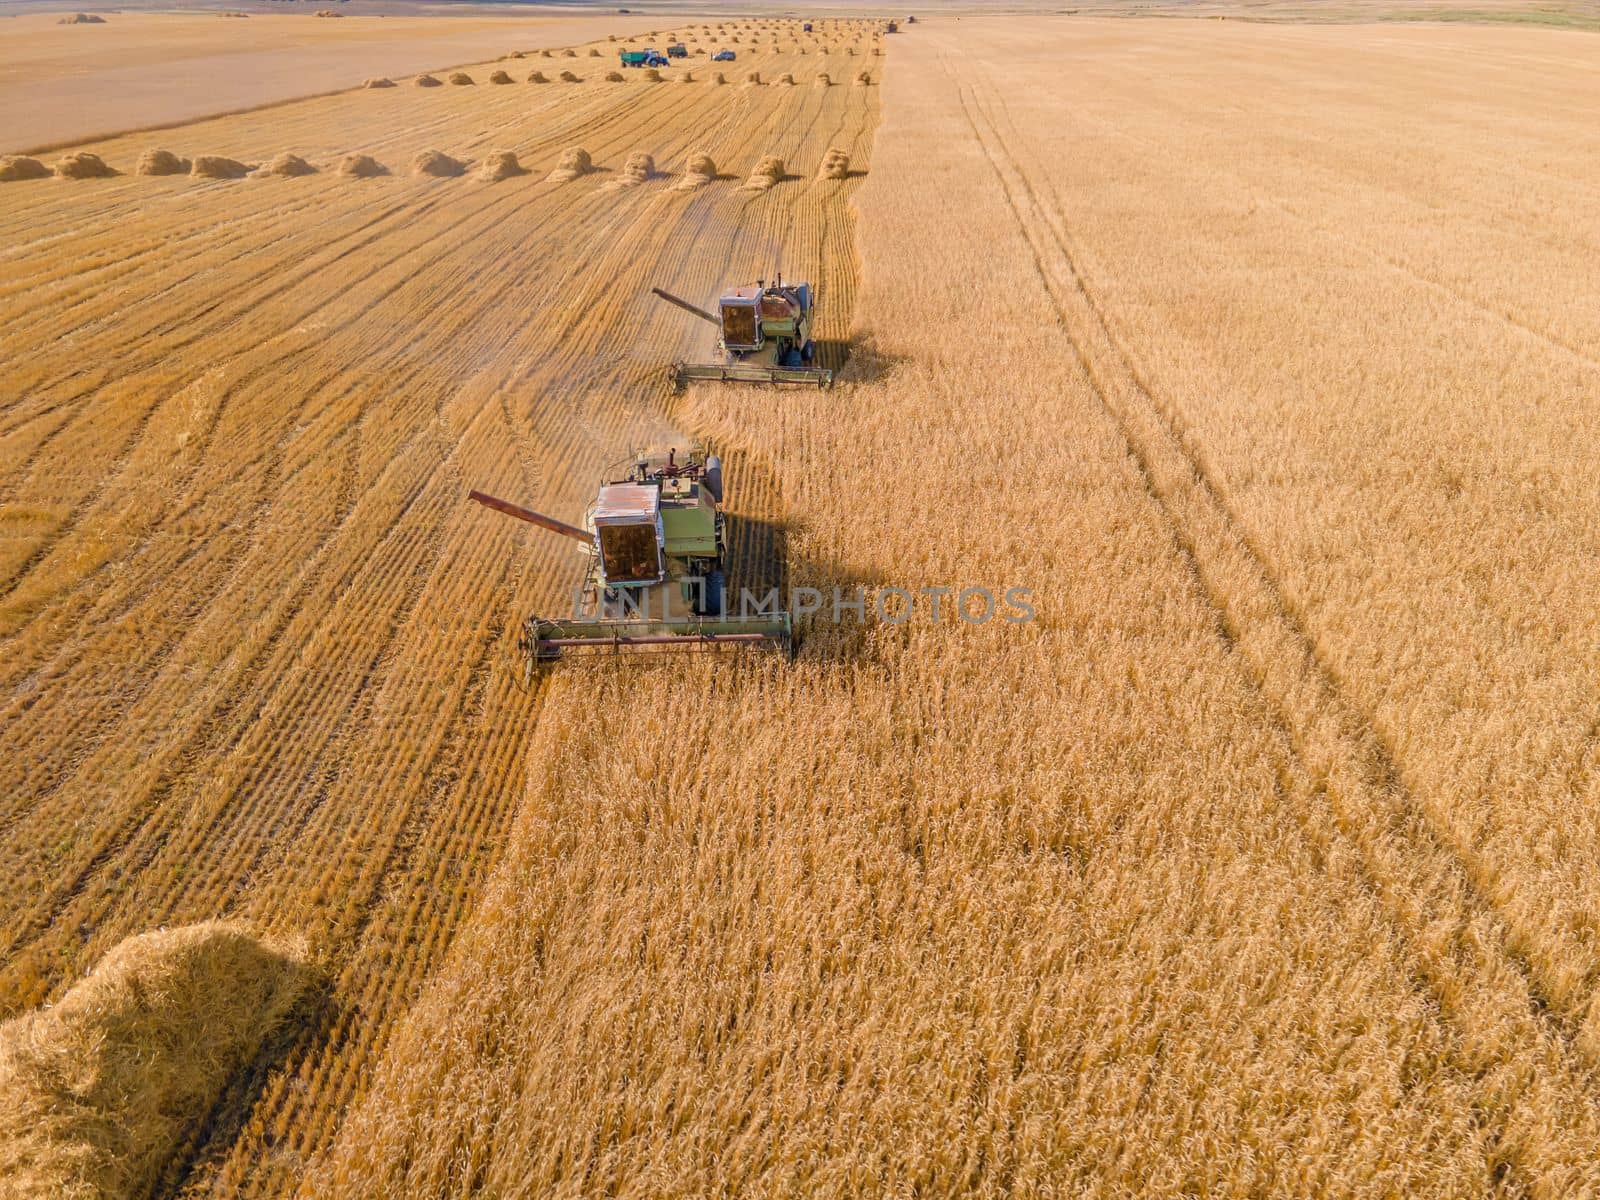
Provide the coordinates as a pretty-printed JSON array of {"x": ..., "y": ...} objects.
[{"x": 1483, "y": 988}]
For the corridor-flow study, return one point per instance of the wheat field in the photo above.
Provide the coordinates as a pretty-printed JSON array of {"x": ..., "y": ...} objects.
[{"x": 1259, "y": 863}]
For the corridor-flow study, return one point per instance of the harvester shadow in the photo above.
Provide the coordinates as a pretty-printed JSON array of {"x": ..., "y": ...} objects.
[
  {"x": 763, "y": 561},
  {"x": 858, "y": 362},
  {"x": 306, "y": 1029}
]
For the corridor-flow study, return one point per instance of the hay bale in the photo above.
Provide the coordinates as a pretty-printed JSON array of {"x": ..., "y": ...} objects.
[
  {"x": 651, "y": 75},
  {"x": 784, "y": 80},
  {"x": 574, "y": 161},
  {"x": 435, "y": 164},
  {"x": 686, "y": 77},
  {"x": 569, "y": 77},
  {"x": 594, "y": 52},
  {"x": 101, "y": 1090},
  {"x": 161, "y": 162},
  {"x": 863, "y": 79},
  {"x": 636, "y": 170},
  {"x": 361, "y": 166},
  {"x": 83, "y": 165},
  {"x": 215, "y": 166},
  {"x": 461, "y": 79},
  {"x": 570, "y": 53},
  {"x": 546, "y": 54},
  {"x": 752, "y": 79},
  {"x": 426, "y": 81},
  {"x": 614, "y": 77},
  {"x": 767, "y": 172},
  {"x": 498, "y": 165},
  {"x": 500, "y": 77},
  {"x": 82, "y": 19},
  {"x": 835, "y": 165},
  {"x": 537, "y": 77},
  {"x": 717, "y": 79},
  {"x": 328, "y": 12},
  {"x": 290, "y": 166},
  {"x": 378, "y": 82},
  {"x": 822, "y": 80},
  {"x": 699, "y": 169},
  {"x": 516, "y": 54},
  {"x": 16, "y": 167}
]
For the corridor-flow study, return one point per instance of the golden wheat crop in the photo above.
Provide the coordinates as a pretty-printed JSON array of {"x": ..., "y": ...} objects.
[{"x": 1257, "y": 863}]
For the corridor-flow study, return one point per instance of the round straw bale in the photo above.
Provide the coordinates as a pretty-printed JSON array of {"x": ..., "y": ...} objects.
[
  {"x": 361, "y": 166},
  {"x": 161, "y": 162},
  {"x": 17, "y": 167},
  {"x": 435, "y": 164},
  {"x": 83, "y": 165},
  {"x": 216, "y": 166}
]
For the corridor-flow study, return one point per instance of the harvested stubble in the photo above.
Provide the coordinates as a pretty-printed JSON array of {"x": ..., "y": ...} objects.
[
  {"x": 767, "y": 172},
  {"x": 83, "y": 165},
  {"x": 286, "y": 164},
  {"x": 651, "y": 75},
  {"x": 500, "y": 77},
  {"x": 835, "y": 165},
  {"x": 425, "y": 81},
  {"x": 461, "y": 79},
  {"x": 569, "y": 77},
  {"x": 614, "y": 77},
  {"x": 361, "y": 166},
  {"x": 822, "y": 80},
  {"x": 573, "y": 162},
  {"x": 698, "y": 170},
  {"x": 99, "y": 1091},
  {"x": 378, "y": 81},
  {"x": 498, "y": 165},
  {"x": 16, "y": 167},
  {"x": 215, "y": 166},
  {"x": 435, "y": 164},
  {"x": 537, "y": 77}
]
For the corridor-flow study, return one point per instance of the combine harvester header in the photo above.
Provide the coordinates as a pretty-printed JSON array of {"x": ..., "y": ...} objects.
[{"x": 655, "y": 546}]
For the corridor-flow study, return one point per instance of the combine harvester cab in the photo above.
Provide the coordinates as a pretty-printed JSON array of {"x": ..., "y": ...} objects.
[
  {"x": 655, "y": 547},
  {"x": 764, "y": 336}
]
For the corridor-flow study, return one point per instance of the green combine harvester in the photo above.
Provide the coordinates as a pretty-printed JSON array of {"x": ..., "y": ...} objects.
[
  {"x": 655, "y": 545},
  {"x": 764, "y": 336}
]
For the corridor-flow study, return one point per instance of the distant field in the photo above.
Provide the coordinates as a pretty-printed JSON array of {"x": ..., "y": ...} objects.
[
  {"x": 1261, "y": 863},
  {"x": 68, "y": 83}
]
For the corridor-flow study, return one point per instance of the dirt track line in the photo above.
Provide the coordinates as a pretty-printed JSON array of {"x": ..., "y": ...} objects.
[{"x": 1485, "y": 989}]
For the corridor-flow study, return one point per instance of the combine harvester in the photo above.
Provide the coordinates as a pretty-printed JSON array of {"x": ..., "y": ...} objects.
[
  {"x": 764, "y": 336},
  {"x": 655, "y": 544}
]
